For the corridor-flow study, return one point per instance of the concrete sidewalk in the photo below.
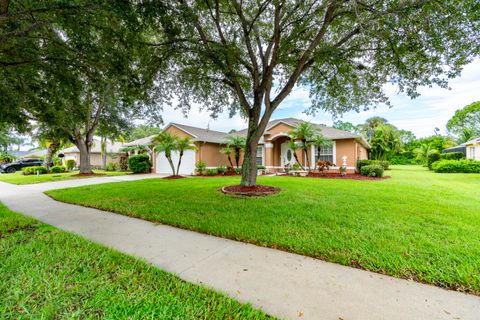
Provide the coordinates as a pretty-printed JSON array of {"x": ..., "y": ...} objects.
[{"x": 282, "y": 284}]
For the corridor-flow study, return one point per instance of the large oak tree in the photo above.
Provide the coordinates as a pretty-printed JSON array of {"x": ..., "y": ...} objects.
[
  {"x": 248, "y": 55},
  {"x": 71, "y": 67}
]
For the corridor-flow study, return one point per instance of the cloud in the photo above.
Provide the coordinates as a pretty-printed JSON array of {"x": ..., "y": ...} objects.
[{"x": 432, "y": 109}]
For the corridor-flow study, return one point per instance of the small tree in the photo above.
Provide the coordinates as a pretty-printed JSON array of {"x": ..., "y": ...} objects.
[
  {"x": 294, "y": 146},
  {"x": 228, "y": 152},
  {"x": 304, "y": 132},
  {"x": 238, "y": 145},
  {"x": 423, "y": 151},
  {"x": 166, "y": 143},
  {"x": 183, "y": 145},
  {"x": 320, "y": 142}
]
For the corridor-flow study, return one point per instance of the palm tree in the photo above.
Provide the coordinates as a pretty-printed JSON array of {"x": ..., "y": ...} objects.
[
  {"x": 423, "y": 151},
  {"x": 305, "y": 132},
  {"x": 320, "y": 142},
  {"x": 238, "y": 144},
  {"x": 166, "y": 143},
  {"x": 183, "y": 145},
  {"x": 294, "y": 146},
  {"x": 228, "y": 152}
]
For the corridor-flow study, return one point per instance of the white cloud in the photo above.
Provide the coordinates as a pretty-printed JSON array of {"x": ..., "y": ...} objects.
[{"x": 432, "y": 109}]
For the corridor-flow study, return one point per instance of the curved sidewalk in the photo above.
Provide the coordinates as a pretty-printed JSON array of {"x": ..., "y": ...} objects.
[{"x": 283, "y": 284}]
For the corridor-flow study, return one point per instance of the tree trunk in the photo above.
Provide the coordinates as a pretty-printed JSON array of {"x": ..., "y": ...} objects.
[
  {"x": 52, "y": 148},
  {"x": 170, "y": 161},
  {"x": 237, "y": 157},
  {"x": 84, "y": 148},
  {"x": 230, "y": 161},
  {"x": 104, "y": 153},
  {"x": 249, "y": 167},
  {"x": 179, "y": 161}
]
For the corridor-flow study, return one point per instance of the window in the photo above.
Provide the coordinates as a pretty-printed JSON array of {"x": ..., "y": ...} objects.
[
  {"x": 326, "y": 154},
  {"x": 259, "y": 156}
]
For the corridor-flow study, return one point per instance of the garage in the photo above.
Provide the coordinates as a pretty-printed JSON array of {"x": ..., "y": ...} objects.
[{"x": 186, "y": 168}]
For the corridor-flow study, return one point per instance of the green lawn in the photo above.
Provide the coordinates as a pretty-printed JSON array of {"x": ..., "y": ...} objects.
[
  {"x": 46, "y": 273},
  {"x": 19, "y": 178},
  {"x": 418, "y": 224}
]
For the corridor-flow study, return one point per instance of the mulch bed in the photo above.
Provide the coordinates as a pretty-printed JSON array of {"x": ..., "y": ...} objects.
[
  {"x": 351, "y": 176},
  {"x": 253, "y": 191},
  {"x": 174, "y": 177}
]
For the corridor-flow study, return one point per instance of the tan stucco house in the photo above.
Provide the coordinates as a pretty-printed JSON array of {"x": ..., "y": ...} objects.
[
  {"x": 272, "y": 151},
  {"x": 113, "y": 153},
  {"x": 473, "y": 149}
]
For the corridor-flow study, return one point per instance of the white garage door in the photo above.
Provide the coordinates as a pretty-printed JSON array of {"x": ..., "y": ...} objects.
[{"x": 187, "y": 166}]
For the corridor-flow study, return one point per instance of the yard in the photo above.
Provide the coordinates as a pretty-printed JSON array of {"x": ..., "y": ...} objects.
[
  {"x": 418, "y": 224},
  {"x": 46, "y": 273},
  {"x": 19, "y": 178}
]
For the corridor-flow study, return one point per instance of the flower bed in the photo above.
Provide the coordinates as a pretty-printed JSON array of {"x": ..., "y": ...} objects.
[{"x": 257, "y": 190}]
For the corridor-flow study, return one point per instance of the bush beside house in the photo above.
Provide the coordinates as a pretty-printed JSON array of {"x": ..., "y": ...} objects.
[
  {"x": 140, "y": 163},
  {"x": 384, "y": 164},
  {"x": 373, "y": 170},
  {"x": 456, "y": 166}
]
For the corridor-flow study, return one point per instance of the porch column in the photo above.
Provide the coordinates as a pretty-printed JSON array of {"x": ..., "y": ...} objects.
[{"x": 269, "y": 155}]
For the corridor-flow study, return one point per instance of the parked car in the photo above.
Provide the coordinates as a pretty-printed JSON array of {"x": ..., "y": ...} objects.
[{"x": 18, "y": 165}]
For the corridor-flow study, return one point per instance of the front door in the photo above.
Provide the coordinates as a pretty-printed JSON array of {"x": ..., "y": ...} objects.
[{"x": 286, "y": 155}]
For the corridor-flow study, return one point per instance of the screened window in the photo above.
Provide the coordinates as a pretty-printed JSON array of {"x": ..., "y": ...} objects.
[
  {"x": 259, "y": 156},
  {"x": 326, "y": 154}
]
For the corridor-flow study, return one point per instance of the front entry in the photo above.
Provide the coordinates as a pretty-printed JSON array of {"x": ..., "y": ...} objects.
[{"x": 286, "y": 155}]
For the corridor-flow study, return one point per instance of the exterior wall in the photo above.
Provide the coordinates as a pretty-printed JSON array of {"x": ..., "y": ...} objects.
[
  {"x": 280, "y": 128},
  {"x": 95, "y": 159},
  {"x": 177, "y": 132},
  {"x": 346, "y": 147},
  {"x": 210, "y": 153},
  {"x": 473, "y": 151}
]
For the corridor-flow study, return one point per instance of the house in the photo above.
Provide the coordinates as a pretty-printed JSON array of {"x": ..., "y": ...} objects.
[
  {"x": 113, "y": 153},
  {"x": 460, "y": 148},
  {"x": 473, "y": 149},
  {"x": 272, "y": 151}
]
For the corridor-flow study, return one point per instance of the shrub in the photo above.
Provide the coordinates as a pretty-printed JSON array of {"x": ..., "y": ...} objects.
[
  {"x": 211, "y": 172},
  {"x": 123, "y": 163},
  {"x": 384, "y": 164},
  {"x": 139, "y": 163},
  {"x": 57, "y": 169},
  {"x": 296, "y": 166},
  {"x": 6, "y": 157},
  {"x": 373, "y": 170},
  {"x": 261, "y": 167},
  {"x": 433, "y": 157},
  {"x": 200, "y": 166},
  {"x": 70, "y": 164},
  {"x": 34, "y": 169},
  {"x": 222, "y": 169},
  {"x": 111, "y": 167},
  {"x": 456, "y": 166},
  {"x": 452, "y": 156},
  {"x": 238, "y": 170}
]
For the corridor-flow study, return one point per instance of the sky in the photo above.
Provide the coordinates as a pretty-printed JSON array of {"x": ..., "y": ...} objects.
[{"x": 433, "y": 108}]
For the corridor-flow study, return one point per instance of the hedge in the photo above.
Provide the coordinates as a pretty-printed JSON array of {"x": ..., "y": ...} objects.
[
  {"x": 58, "y": 169},
  {"x": 34, "y": 169},
  {"x": 373, "y": 170},
  {"x": 452, "y": 156},
  {"x": 70, "y": 164},
  {"x": 139, "y": 163},
  {"x": 384, "y": 164},
  {"x": 433, "y": 157},
  {"x": 456, "y": 166}
]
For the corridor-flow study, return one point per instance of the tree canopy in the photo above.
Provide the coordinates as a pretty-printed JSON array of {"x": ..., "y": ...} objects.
[
  {"x": 247, "y": 56},
  {"x": 465, "y": 123}
]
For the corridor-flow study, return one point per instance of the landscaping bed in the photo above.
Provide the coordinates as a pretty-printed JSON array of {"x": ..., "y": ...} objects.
[
  {"x": 418, "y": 225},
  {"x": 252, "y": 191},
  {"x": 351, "y": 176},
  {"x": 46, "y": 273}
]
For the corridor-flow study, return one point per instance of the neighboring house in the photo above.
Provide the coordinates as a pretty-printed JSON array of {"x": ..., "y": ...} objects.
[
  {"x": 272, "y": 151},
  {"x": 113, "y": 153},
  {"x": 39, "y": 153},
  {"x": 473, "y": 149},
  {"x": 460, "y": 148}
]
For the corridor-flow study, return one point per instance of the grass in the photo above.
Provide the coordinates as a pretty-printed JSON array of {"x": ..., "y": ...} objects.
[
  {"x": 19, "y": 178},
  {"x": 46, "y": 273},
  {"x": 418, "y": 224}
]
